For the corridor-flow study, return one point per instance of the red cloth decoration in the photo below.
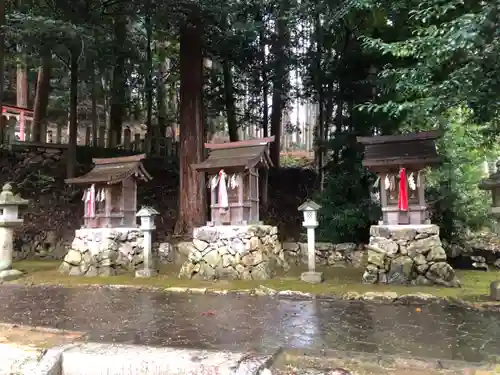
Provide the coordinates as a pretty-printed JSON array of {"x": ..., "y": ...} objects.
[{"x": 403, "y": 191}]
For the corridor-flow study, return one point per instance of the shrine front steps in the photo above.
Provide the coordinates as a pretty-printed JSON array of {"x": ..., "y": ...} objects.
[{"x": 408, "y": 254}]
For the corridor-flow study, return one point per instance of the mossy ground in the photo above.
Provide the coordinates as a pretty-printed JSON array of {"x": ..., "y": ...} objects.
[{"x": 475, "y": 284}]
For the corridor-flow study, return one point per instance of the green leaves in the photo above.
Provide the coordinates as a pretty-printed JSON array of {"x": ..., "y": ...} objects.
[
  {"x": 452, "y": 191},
  {"x": 26, "y": 27},
  {"x": 448, "y": 59}
]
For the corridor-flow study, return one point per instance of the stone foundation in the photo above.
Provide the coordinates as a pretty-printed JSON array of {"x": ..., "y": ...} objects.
[
  {"x": 404, "y": 254},
  {"x": 103, "y": 252},
  {"x": 248, "y": 252}
]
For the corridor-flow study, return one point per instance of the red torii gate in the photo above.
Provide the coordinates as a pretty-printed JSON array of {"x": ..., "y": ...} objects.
[{"x": 21, "y": 114}]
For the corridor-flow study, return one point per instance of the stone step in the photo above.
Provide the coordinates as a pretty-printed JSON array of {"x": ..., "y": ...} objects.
[{"x": 112, "y": 359}]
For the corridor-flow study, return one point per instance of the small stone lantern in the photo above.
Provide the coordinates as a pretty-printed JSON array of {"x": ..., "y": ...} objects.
[
  {"x": 495, "y": 290},
  {"x": 492, "y": 183},
  {"x": 9, "y": 219},
  {"x": 147, "y": 214},
  {"x": 310, "y": 210}
]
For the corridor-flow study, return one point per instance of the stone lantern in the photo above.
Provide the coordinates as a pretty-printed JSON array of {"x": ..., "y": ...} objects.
[
  {"x": 310, "y": 210},
  {"x": 492, "y": 183},
  {"x": 9, "y": 219},
  {"x": 147, "y": 214}
]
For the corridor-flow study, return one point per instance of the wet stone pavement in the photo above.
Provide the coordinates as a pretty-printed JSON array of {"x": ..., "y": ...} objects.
[{"x": 237, "y": 322}]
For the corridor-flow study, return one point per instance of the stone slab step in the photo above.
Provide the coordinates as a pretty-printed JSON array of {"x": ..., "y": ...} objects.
[
  {"x": 15, "y": 359},
  {"x": 93, "y": 358}
]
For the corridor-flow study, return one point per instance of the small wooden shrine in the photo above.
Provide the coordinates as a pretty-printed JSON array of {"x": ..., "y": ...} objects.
[
  {"x": 492, "y": 183},
  {"x": 233, "y": 179},
  {"x": 111, "y": 194},
  {"x": 398, "y": 161}
]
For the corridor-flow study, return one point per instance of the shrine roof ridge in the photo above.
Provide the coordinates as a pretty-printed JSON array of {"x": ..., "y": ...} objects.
[
  {"x": 118, "y": 160},
  {"x": 418, "y": 162},
  {"x": 113, "y": 170},
  {"x": 237, "y": 144},
  {"x": 246, "y": 154},
  {"x": 421, "y": 136}
]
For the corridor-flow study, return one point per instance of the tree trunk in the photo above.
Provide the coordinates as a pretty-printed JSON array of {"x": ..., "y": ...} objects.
[
  {"x": 118, "y": 85},
  {"x": 149, "y": 72},
  {"x": 265, "y": 83},
  {"x": 192, "y": 200},
  {"x": 320, "y": 124},
  {"x": 229, "y": 99},
  {"x": 22, "y": 89},
  {"x": 73, "y": 108},
  {"x": 2, "y": 51},
  {"x": 41, "y": 97},
  {"x": 93, "y": 99},
  {"x": 279, "y": 82},
  {"x": 161, "y": 90}
]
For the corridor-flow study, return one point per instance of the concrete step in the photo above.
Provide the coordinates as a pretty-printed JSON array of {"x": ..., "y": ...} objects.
[{"x": 93, "y": 359}]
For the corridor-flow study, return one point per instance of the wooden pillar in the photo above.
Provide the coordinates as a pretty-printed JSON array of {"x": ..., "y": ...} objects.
[
  {"x": 257, "y": 194},
  {"x": 421, "y": 196},
  {"x": 101, "y": 136},
  {"x": 88, "y": 132},
  {"x": 383, "y": 196},
  {"x": 3, "y": 124},
  {"x": 27, "y": 133},
  {"x": 127, "y": 135},
  {"x": 137, "y": 142},
  {"x": 114, "y": 139},
  {"x": 43, "y": 131},
  {"x": 241, "y": 198},
  {"x": 134, "y": 202},
  {"x": 107, "y": 205},
  {"x": 59, "y": 133},
  {"x": 12, "y": 129},
  {"x": 264, "y": 180}
]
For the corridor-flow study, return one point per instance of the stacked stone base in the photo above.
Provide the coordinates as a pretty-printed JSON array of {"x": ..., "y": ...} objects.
[
  {"x": 407, "y": 254},
  {"x": 234, "y": 252},
  {"x": 104, "y": 252}
]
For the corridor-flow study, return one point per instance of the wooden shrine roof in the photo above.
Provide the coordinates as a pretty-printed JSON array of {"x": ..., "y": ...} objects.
[
  {"x": 236, "y": 155},
  {"x": 409, "y": 150},
  {"x": 113, "y": 171}
]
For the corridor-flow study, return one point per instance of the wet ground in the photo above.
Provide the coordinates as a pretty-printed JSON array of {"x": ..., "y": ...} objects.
[{"x": 255, "y": 323}]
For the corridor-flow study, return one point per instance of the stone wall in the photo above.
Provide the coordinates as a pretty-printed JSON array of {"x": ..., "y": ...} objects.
[
  {"x": 404, "y": 254},
  {"x": 295, "y": 253},
  {"x": 103, "y": 252},
  {"x": 250, "y": 252},
  {"x": 327, "y": 254}
]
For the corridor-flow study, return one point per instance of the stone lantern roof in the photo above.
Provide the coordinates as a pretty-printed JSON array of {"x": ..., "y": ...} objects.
[
  {"x": 309, "y": 205},
  {"x": 493, "y": 181},
  {"x": 146, "y": 212},
  {"x": 8, "y": 198}
]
